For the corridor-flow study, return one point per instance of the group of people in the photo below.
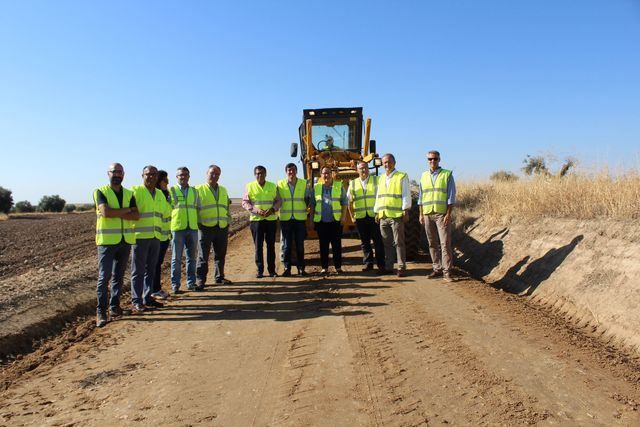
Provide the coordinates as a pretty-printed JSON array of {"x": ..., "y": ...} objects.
[{"x": 141, "y": 223}]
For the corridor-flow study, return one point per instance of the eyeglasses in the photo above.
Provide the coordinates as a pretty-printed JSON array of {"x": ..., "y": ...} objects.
[{"x": 433, "y": 159}]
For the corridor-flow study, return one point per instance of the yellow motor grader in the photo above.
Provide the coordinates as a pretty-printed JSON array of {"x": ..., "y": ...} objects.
[{"x": 333, "y": 137}]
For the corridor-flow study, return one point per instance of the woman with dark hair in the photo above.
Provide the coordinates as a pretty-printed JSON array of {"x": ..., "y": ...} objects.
[{"x": 163, "y": 184}]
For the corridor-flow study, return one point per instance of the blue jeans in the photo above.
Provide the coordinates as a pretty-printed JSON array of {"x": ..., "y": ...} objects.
[
  {"x": 144, "y": 258},
  {"x": 112, "y": 263},
  {"x": 184, "y": 239},
  {"x": 293, "y": 231}
]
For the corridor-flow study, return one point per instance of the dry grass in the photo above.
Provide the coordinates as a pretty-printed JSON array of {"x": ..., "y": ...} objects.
[
  {"x": 575, "y": 196},
  {"x": 3, "y": 216}
]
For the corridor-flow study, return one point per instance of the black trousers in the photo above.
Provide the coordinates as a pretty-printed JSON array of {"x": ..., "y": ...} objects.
[
  {"x": 369, "y": 230},
  {"x": 330, "y": 233},
  {"x": 217, "y": 238},
  {"x": 293, "y": 231},
  {"x": 264, "y": 231}
]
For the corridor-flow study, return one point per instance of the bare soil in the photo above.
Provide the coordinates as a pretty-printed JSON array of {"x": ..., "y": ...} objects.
[{"x": 354, "y": 349}]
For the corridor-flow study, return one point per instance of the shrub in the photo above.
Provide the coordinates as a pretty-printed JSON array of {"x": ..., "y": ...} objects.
[
  {"x": 53, "y": 203},
  {"x": 24, "y": 206},
  {"x": 70, "y": 207},
  {"x": 535, "y": 165},
  {"x": 84, "y": 207},
  {"x": 504, "y": 176},
  {"x": 6, "y": 200}
]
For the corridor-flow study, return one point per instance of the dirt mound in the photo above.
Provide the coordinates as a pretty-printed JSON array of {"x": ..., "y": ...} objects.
[{"x": 586, "y": 271}]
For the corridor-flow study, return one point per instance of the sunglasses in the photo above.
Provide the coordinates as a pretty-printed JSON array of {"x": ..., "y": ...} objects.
[{"x": 433, "y": 159}]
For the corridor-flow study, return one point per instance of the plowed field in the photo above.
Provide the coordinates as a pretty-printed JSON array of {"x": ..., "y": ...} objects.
[{"x": 354, "y": 349}]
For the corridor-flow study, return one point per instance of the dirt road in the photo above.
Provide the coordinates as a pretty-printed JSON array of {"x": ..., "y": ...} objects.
[{"x": 345, "y": 350}]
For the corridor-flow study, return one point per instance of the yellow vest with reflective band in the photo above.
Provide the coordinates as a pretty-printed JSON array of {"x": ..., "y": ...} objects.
[
  {"x": 363, "y": 201},
  {"x": 184, "y": 214},
  {"x": 336, "y": 192},
  {"x": 262, "y": 198},
  {"x": 111, "y": 231},
  {"x": 150, "y": 207},
  {"x": 213, "y": 212},
  {"x": 389, "y": 197},
  {"x": 166, "y": 218},
  {"x": 293, "y": 206},
  {"x": 434, "y": 197}
]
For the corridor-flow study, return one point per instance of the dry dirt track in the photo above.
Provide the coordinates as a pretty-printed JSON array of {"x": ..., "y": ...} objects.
[{"x": 347, "y": 350}]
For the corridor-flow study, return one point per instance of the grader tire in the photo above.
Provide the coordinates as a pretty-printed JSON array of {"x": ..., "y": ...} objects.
[{"x": 414, "y": 234}]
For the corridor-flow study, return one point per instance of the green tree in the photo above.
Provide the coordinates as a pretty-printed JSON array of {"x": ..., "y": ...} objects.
[
  {"x": 24, "y": 206},
  {"x": 53, "y": 203},
  {"x": 6, "y": 200},
  {"x": 70, "y": 207},
  {"x": 535, "y": 165}
]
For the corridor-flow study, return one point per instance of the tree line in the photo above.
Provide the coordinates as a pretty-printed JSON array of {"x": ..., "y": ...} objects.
[{"x": 53, "y": 203}]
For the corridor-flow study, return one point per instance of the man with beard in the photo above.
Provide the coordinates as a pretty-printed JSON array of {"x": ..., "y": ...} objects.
[{"x": 116, "y": 211}]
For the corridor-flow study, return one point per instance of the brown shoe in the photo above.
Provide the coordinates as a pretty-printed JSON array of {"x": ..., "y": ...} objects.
[
  {"x": 447, "y": 278},
  {"x": 434, "y": 274},
  {"x": 402, "y": 273}
]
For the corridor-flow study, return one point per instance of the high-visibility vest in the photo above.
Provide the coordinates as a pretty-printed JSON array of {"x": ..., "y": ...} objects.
[
  {"x": 213, "y": 212},
  {"x": 434, "y": 195},
  {"x": 166, "y": 217},
  {"x": 293, "y": 206},
  {"x": 150, "y": 207},
  {"x": 111, "y": 231},
  {"x": 389, "y": 197},
  {"x": 262, "y": 198},
  {"x": 363, "y": 201},
  {"x": 336, "y": 206},
  {"x": 184, "y": 214}
]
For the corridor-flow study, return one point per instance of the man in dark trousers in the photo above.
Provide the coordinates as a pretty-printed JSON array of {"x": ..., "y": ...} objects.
[{"x": 362, "y": 198}]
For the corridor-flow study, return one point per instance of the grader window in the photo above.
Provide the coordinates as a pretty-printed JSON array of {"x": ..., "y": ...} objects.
[{"x": 330, "y": 137}]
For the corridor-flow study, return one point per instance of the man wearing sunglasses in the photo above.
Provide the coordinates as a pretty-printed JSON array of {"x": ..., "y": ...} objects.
[{"x": 437, "y": 197}]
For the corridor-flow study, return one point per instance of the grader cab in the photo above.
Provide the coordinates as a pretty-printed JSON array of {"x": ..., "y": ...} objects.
[
  {"x": 339, "y": 138},
  {"x": 333, "y": 137}
]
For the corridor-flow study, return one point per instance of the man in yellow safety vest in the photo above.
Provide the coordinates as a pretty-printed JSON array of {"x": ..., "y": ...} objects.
[
  {"x": 184, "y": 228},
  {"x": 214, "y": 218},
  {"x": 437, "y": 197},
  {"x": 362, "y": 198},
  {"x": 393, "y": 202},
  {"x": 295, "y": 197},
  {"x": 116, "y": 211},
  {"x": 148, "y": 229},
  {"x": 262, "y": 200}
]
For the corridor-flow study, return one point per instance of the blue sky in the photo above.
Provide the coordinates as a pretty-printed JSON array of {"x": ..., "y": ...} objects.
[{"x": 191, "y": 83}]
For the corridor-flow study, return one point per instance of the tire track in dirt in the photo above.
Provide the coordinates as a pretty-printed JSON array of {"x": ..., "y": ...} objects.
[{"x": 414, "y": 367}]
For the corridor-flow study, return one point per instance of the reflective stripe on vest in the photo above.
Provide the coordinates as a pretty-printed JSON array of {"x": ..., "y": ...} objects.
[
  {"x": 149, "y": 225},
  {"x": 111, "y": 231},
  {"x": 390, "y": 198},
  {"x": 336, "y": 192},
  {"x": 213, "y": 212},
  {"x": 184, "y": 213},
  {"x": 293, "y": 206},
  {"x": 363, "y": 202},
  {"x": 434, "y": 197}
]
